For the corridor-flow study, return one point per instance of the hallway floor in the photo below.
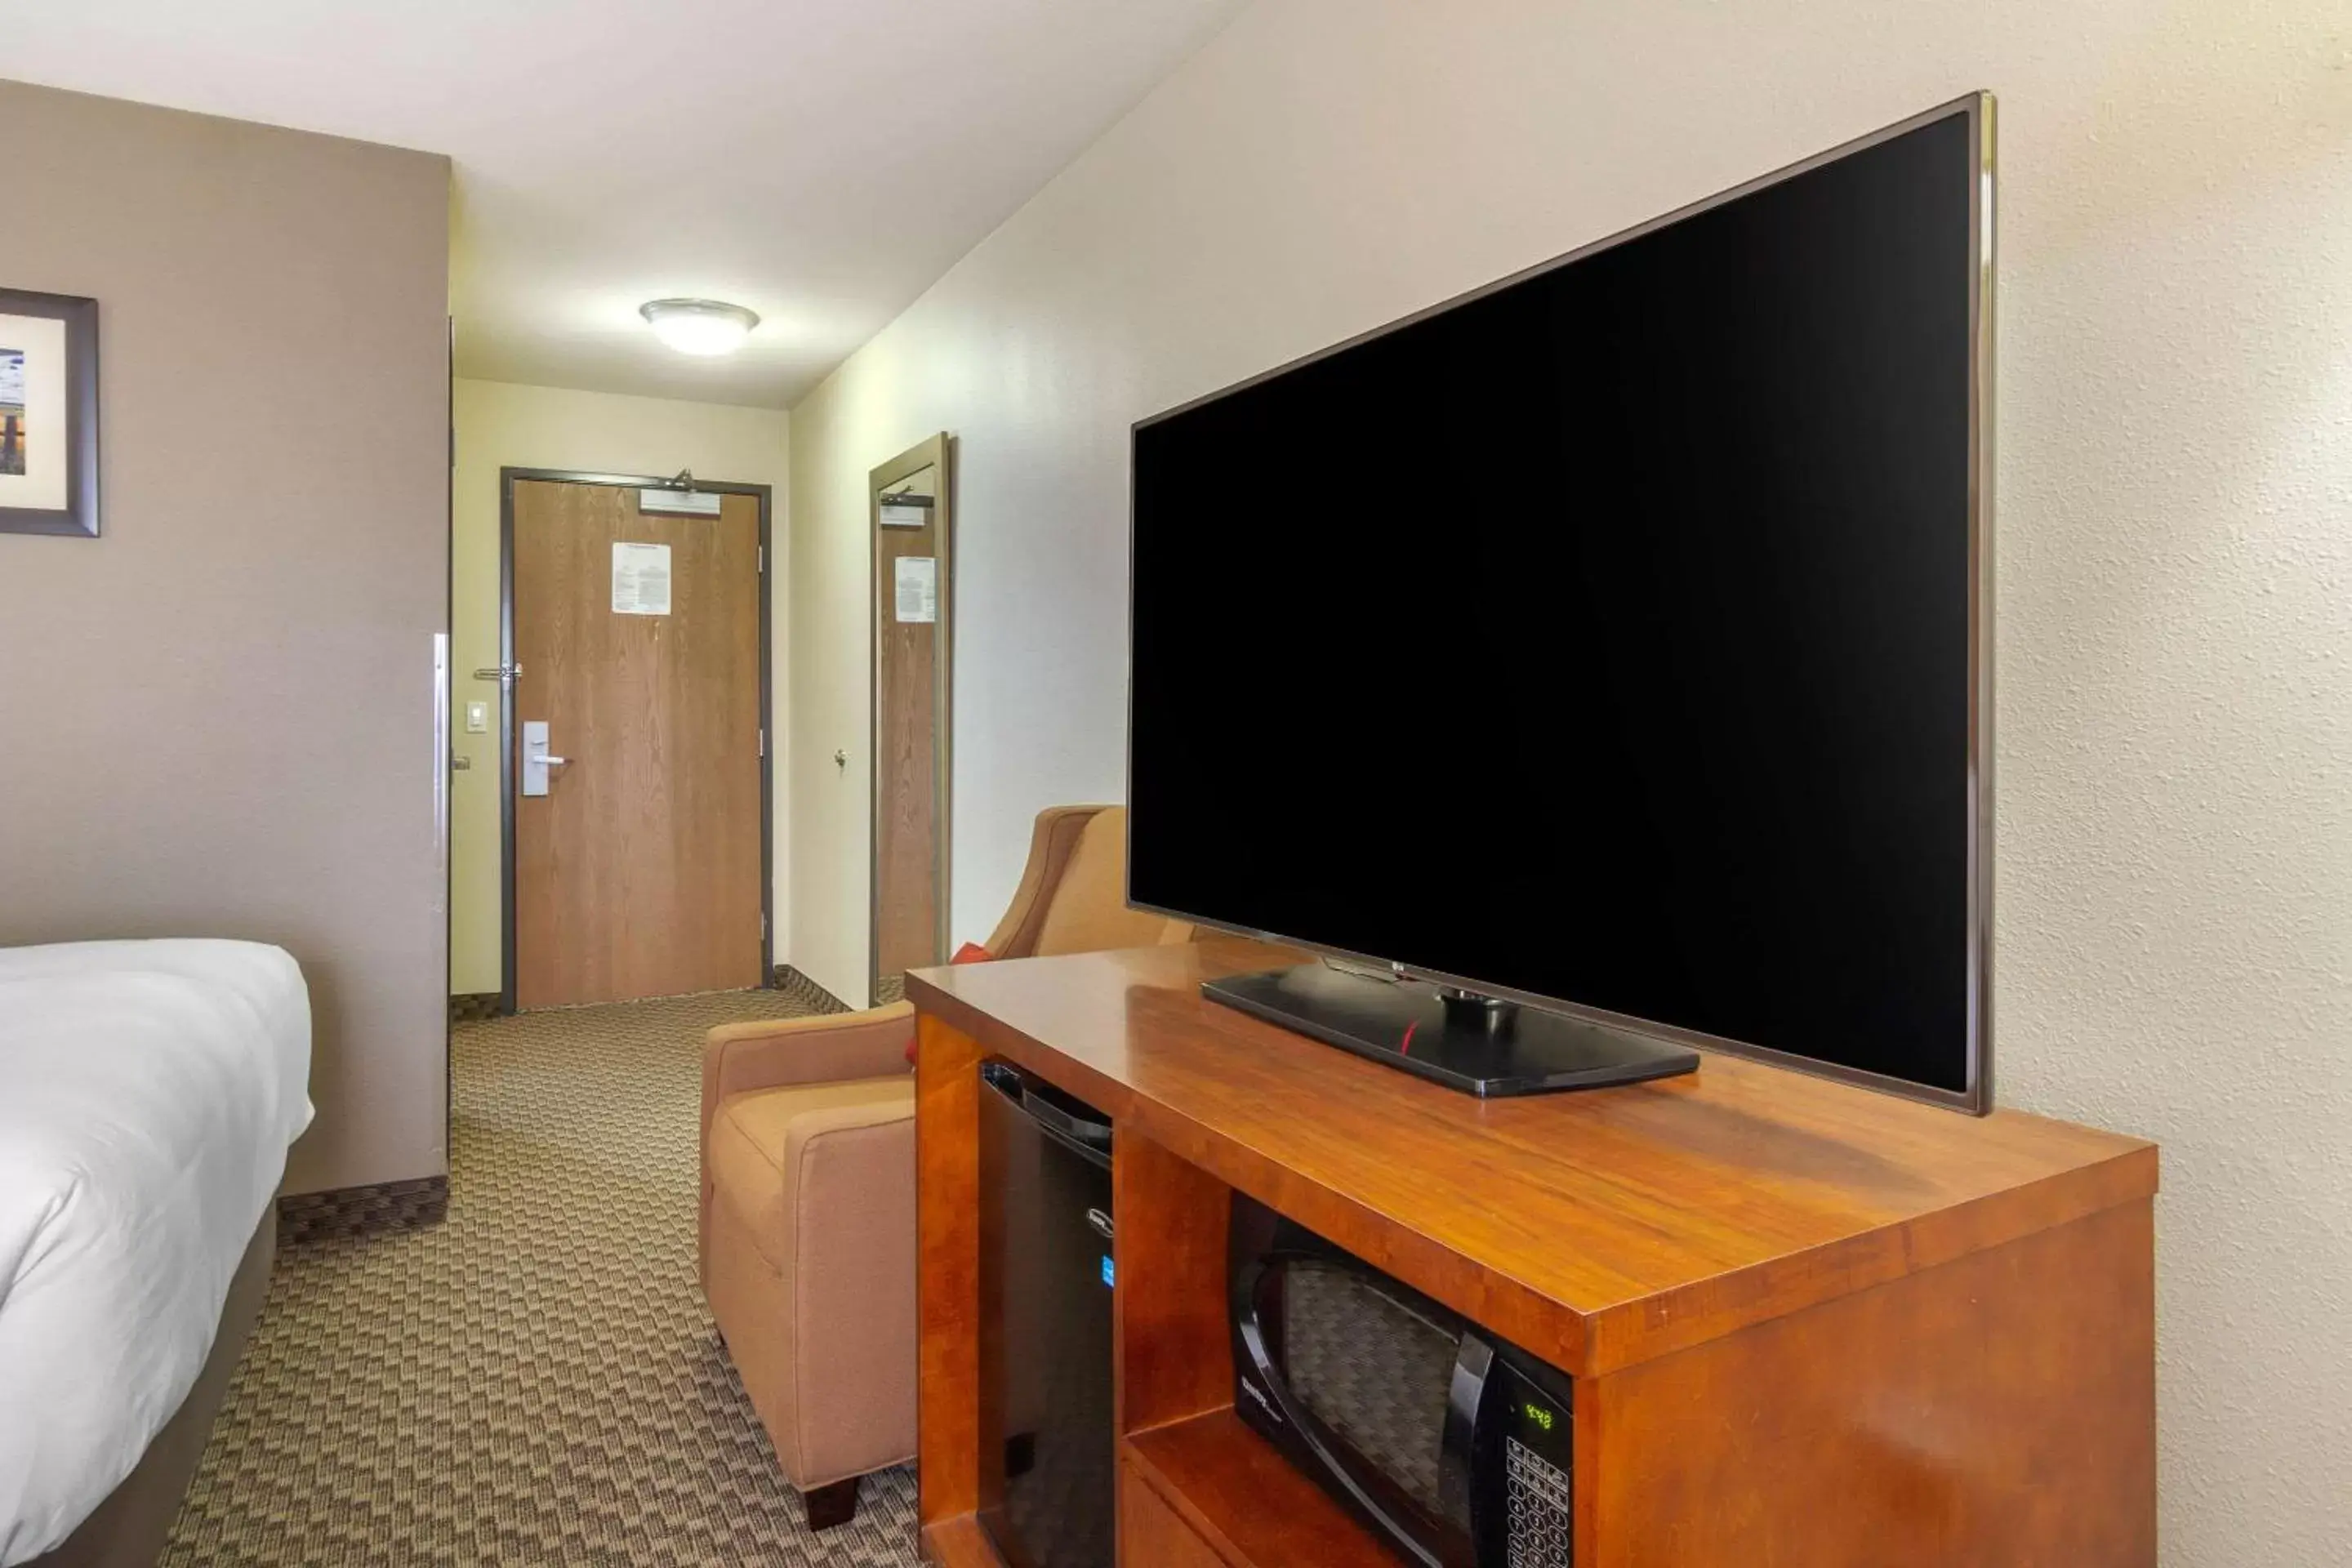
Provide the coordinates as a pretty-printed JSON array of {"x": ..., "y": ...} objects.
[{"x": 535, "y": 1380}]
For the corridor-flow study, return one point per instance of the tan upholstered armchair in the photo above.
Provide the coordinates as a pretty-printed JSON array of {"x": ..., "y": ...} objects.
[{"x": 808, "y": 1182}]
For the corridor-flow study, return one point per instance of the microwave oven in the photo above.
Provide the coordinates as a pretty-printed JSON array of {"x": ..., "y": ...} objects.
[{"x": 1449, "y": 1443}]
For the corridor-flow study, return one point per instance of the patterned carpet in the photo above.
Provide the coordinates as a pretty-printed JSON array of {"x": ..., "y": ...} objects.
[{"x": 535, "y": 1380}]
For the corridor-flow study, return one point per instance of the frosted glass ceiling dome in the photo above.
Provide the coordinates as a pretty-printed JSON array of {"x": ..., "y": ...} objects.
[{"x": 706, "y": 326}]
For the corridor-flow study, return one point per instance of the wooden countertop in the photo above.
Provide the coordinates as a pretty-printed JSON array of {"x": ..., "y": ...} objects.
[{"x": 1598, "y": 1228}]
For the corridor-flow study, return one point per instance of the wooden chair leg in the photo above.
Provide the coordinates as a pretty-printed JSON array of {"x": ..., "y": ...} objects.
[{"x": 829, "y": 1506}]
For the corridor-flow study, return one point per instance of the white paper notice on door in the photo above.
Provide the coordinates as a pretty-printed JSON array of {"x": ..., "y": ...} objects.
[
  {"x": 918, "y": 589},
  {"x": 641, "y": 579}
]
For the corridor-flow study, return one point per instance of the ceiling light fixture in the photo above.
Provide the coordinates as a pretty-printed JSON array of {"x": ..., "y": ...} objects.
[{"x": 699, "y": 326}]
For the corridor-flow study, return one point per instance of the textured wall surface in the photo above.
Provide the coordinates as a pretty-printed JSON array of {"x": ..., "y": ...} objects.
[
  {"x": 2175, "y": 534},
  {"x": 216, "y": 719},
  {"x": 502, "y": 425}
]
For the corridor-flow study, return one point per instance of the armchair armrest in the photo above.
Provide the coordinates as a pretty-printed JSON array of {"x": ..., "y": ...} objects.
[
  {"x": 834, "y": 1048},
  {"x": 854, "y": 1339}
]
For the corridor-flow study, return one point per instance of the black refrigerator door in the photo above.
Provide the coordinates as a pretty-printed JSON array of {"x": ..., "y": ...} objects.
[{"x": 1046, "y": 1175}]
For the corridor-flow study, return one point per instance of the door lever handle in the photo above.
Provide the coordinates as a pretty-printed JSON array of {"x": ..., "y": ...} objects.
[{"x": 535, "y": 760}]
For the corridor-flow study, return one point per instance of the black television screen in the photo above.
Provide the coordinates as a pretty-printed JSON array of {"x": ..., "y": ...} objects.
[{"x": 1614, "y": 637}]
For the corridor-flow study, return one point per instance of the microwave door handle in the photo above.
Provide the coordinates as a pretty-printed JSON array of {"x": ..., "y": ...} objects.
[{"x": 1469, "y": 1410}]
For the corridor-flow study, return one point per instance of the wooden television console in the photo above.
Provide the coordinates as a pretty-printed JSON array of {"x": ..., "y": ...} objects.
[{"x": 1811, "y": 1326}]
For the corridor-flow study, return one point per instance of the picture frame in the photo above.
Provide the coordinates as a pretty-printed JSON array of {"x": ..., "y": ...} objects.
[{"x": 48, "y": 414}]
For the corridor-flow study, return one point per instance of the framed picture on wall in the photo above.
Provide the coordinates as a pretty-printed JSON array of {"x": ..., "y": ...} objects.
[{"x": 48, "y": 414}]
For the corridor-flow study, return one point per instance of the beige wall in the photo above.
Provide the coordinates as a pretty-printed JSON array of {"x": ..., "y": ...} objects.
[
  {"x": 215, "y": 720},
  {"x": 2175, "y": 592},
  {"x": 500, "y": 425}
]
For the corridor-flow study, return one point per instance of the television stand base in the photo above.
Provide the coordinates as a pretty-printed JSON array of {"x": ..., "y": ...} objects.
[{"x": 1480, "y": 1045}]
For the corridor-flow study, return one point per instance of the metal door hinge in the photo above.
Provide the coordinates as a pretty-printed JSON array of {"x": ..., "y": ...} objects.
[
  {"x": 506, "y": 675},
  {"x": 761, "y": 552},
  {"x": 764, "y": 743}
]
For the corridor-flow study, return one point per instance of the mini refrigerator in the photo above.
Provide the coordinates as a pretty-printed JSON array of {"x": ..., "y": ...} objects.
[{"x": 1046, "y": 1375}]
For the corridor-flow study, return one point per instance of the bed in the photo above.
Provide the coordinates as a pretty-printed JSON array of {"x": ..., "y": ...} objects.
[{"x": 148, "y": 1093}]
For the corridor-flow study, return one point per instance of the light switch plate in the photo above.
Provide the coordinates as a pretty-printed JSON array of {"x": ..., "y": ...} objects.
[{"x": 477, "y": 718}]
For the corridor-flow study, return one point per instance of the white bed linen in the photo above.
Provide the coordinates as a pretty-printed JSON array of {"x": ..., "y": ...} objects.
[{"x": 148, "y": 1092}]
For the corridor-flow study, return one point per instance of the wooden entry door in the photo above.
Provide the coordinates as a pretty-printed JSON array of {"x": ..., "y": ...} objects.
[{"x": 639, "y": 872}]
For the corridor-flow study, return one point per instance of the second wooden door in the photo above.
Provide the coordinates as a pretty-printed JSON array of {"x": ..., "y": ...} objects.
[
  {"x": 638, "y": 872},
  {"x": 913, "y": 623}
]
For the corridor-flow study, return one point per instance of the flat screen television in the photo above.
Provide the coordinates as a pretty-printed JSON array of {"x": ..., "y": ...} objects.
[{"x": 1599, "y": 664}]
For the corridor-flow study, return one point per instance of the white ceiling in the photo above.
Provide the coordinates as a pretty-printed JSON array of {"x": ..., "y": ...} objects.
[{"x": 821, "y": 161}]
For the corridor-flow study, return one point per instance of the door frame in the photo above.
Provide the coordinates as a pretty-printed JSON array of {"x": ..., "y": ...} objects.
[{"x": 765, "y": 496}]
